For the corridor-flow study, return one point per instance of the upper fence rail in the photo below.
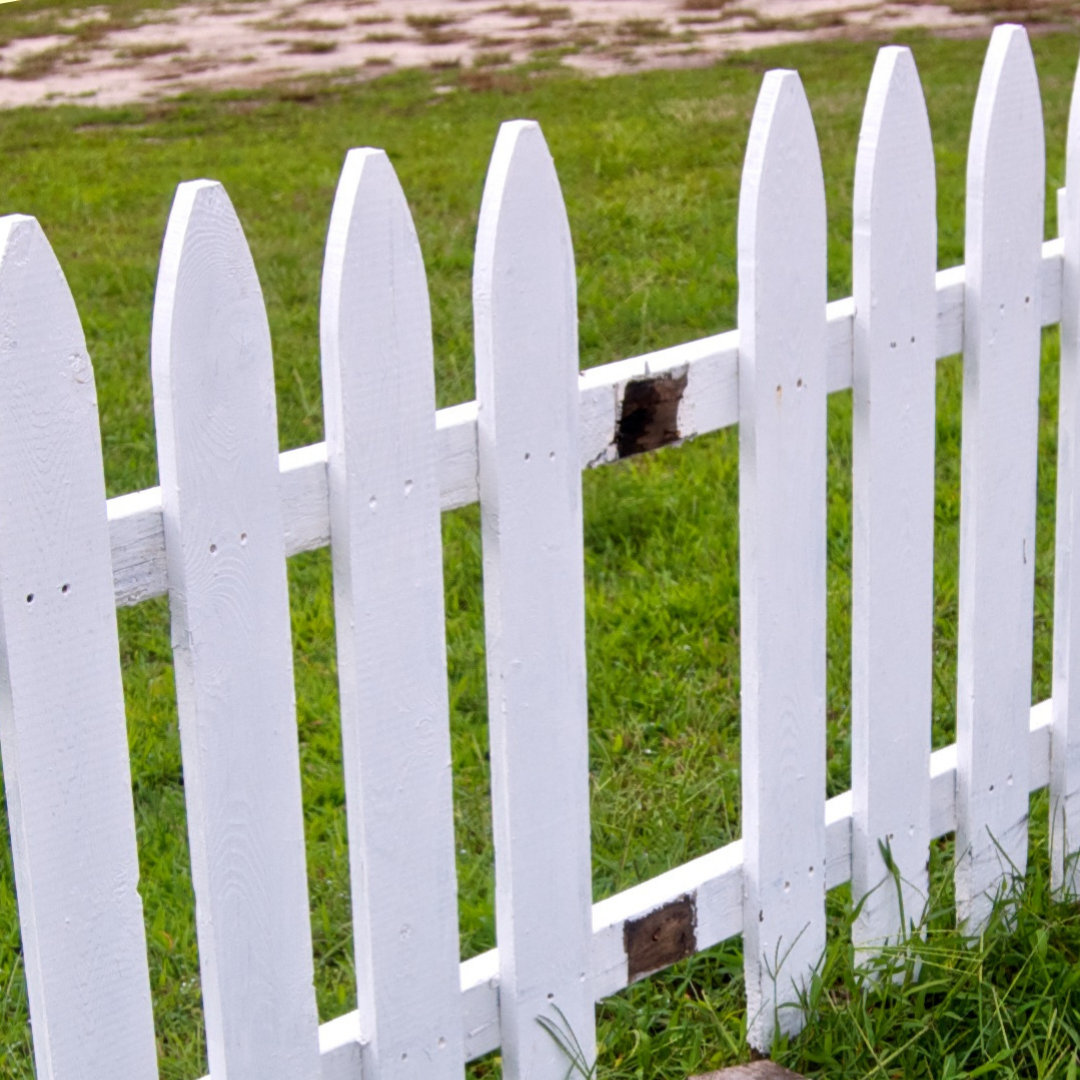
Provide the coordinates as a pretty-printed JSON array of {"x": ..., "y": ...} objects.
[
  {"x": 230, "y": 509},
  {"x": 627, "y": 407}
]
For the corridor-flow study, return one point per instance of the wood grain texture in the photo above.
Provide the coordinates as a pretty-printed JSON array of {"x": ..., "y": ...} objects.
[
  {"x": 1065, "y": 769},
  {"x": 782, "y": 394},
  {"x": 379, "y": 390},
  {"x": 894, "y": 259},
  {"x": 1005, "y": 179},
  {"x": 62, "y": 728},
  {"x": 224, "y": 541},
  {"x": 525, "y": 302}
]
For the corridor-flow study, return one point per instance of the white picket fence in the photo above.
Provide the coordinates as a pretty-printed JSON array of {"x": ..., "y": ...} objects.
[{"x": 216, "y": 535}]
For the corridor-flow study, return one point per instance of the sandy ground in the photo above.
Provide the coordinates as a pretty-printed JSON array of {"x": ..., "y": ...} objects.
[{"x": 95, "y": 58}]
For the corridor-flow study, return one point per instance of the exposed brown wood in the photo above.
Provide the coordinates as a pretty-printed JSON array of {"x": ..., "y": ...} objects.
[
  {"x": 650, "y": 413},
  {"x": 661, "y": 938}
]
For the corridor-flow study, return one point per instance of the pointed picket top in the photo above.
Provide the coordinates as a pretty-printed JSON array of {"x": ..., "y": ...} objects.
[
  {"x": 228, "y": 596},
  {"x": 206, "y": 283},
  {"x": 525, "y": 306},
  {"x": 525, "y": 257},
  {"x": 1002, "y": 346},
  {"x": 894, "y": 258},
  {"x": 1007, "y": 138},
  {"x": 1065, "y": 732},
  {"x": 781, "y": 176},
  {"x": 782, "y": 441},
  {"x": 62, "y": 726},
  {"x": 385, "y": 525}
]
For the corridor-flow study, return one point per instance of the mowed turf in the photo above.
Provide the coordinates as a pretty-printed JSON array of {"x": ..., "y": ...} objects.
[{"x": 650, "y": 166}]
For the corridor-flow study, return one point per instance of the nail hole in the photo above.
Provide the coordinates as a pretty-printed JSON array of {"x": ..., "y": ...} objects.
[
  {"x": 213, "y": 549},
  {"x": 551, "y": 456},
  {"x": 912, "y": 339},
  {"x": 442, "y": 1043},
  {"x": 991, "y": 787},
  {"x": 551, "y": 997},
  {"x": 408, "y": 487},
  {"x": 798, "y": 383},
  {"x": 65, "y": 589},
  {"x": 527, "y": 455},
  {"x": 404, "y": 1057},
  {"x": 243, "y": 538},
  {"x": 892, "y": 344},
  {"x": 787, "y": 886},
  {"x": 373, "y": 502},
  {"x": 30, "y": 598}
]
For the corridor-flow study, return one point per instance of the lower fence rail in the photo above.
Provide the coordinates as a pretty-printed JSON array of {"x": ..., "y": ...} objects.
[{"x": 694, "y": 907}]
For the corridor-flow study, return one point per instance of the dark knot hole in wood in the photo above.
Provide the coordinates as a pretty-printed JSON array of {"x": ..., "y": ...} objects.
[
  {"x": 661, "y": 938},
  {"x": 650, "y": 413}
]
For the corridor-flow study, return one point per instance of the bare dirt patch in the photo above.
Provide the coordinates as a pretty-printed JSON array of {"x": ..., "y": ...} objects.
[{"x": 94, "y": 58}]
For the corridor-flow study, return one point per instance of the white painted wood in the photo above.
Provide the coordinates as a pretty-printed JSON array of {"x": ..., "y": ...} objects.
[
  {"x": 1065, "y": 769},
  {"x": 715, "y": 880},
  {"x": 224, "y": 542},
  {"x": 711, "y": 402},
  {"x": 525, "y": 302},
  {"x": 782, "y": 371},
  {"x": 379, "y": 392},
  {"x": 893, "y": 263},
  {"x": 1006, "y": 164},
  {"x": 62, "y": 728}
]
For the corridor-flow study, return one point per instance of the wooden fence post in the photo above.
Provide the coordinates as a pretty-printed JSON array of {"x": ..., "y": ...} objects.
[
  {"x": 894, "y": 259},
  {"x": 525, "y": 302},
  {"x": 1002, "y": 343},
  {"x": 1065, "y": 732},
  {"x": 385, "y": 526},
  {"x": 225, "y": 547},
  {"x": 781, "y": 249},
  {"x": 62, "y": 730}
]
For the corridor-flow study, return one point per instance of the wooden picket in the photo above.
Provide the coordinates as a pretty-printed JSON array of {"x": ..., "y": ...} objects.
[
  {"x": 224, "y": 543},
  {"x": 1002, "y": 344},
  {"x": 62, "y": 728},
  {"x": 379, "y": 385},
  {"x": 1065, "y": 742},
  {"x": 894, "y": 254},
  {"x": 216, "y": 534},
  {"x": 782, "y": 554},
  {"x": 525, "y": 302}
]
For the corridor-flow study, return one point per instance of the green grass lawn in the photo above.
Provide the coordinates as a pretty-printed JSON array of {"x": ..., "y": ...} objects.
[{"x": 650, "y": 166}]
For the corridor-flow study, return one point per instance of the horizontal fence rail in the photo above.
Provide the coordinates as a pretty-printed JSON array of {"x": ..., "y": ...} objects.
[
  {"x": 231, "y": 509},
  {"x": 697, "y": 382}
]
